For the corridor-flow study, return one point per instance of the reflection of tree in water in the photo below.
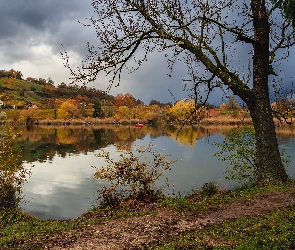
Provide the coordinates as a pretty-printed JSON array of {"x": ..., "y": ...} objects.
[
  {"x": 126, "y": 135},
  {"x": 44, "y": 142},
  {"x": 188, "y": 135},
  {"x": 98, "y": 134}
]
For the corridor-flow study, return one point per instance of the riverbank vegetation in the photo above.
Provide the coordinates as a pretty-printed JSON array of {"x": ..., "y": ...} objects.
[
  {"x": 38, "y": 101},
  {"x": 264, "y": 231},
  {"x": 12, "y": 173}
]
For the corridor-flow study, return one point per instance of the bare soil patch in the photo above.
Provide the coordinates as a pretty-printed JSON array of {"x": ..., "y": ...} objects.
[{"x": 136, "y": 232}]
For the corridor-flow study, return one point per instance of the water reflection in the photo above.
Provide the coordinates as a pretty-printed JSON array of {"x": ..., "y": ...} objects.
[
  {"x": 43, "y": 143},
  {"x": 62, "y": 184}
]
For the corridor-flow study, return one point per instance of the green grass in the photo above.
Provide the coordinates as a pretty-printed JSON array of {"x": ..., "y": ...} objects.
[
  {"x": 198, "y": 204},
  {"x": 21, "y": 231},
  {"x": 275, "y": 230}
]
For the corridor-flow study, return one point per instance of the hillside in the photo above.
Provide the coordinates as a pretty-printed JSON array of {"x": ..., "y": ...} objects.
[{"x": 23, "y": 93}]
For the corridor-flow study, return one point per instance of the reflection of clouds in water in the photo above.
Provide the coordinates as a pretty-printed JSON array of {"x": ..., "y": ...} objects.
[
  {"x": 62, "y": 189},
  {"x": 114, "y": 154},
  {"x": 64, "y": 202},
  {"x": 61, "y": 173},
  {"x": 188, "y": 155}
]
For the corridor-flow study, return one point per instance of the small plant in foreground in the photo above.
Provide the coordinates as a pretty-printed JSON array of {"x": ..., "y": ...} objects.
[
  {"x": 135, "y": 173},
  {"x": 209, "y": 189}
]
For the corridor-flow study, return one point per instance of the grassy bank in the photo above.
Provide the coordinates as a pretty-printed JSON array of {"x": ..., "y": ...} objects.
[
  {"x": 277, "y": 228},
  {"x": 22, "y": 231},
  {"x": 274, "y": 230}
]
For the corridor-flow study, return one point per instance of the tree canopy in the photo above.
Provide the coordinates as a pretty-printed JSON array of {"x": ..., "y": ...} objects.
[{"x": 288, "y": 8}]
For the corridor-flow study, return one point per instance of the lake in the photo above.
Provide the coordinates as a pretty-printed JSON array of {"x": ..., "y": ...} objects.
[{"x": 62, "y": 185}]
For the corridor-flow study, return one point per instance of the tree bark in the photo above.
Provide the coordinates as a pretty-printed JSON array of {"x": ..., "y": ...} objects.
[
  {"x": 269, "y": 164},
  {"x": 270, "y": 168}
]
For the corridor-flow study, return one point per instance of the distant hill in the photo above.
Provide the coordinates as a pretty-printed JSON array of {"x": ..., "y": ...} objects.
[{"x": 23, "y": 93}]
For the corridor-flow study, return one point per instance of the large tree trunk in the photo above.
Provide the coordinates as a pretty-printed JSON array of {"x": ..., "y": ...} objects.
[{"x": 269, "y": 163}]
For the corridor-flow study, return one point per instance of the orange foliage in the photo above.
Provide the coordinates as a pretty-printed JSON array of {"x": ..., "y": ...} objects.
[
  {"x": 124, "y": 100},
  {"x": 69, "y": 109}
]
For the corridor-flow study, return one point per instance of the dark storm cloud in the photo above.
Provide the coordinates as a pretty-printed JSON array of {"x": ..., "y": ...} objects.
[
  {"x": 32, "y": 31},
  {"x": 38, "y": 15},
  {"x": 33, "y": 22}
]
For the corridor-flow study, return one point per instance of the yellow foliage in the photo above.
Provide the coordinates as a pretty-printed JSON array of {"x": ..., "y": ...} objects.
[
  {"x": 223, "y": 107},
  {"x": 182, "y": 110},
  {"x": 122, "y": 112},
  {"x": 45, "y": 114},
  {"x": 68, "y": 110},
  {"x": 13, "y": 114}
]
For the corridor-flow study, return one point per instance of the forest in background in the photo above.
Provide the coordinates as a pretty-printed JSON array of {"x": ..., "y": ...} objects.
[{"x": 36, "y": 100}]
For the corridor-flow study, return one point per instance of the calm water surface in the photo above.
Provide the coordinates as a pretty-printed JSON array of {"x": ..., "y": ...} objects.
[{"x": 62, "y": 184}]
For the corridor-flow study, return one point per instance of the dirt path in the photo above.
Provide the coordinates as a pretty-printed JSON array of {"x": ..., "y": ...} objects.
[{"x": 135, "y": 232}]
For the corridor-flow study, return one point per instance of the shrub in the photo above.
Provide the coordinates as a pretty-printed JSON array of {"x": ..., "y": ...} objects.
[
  {"x": 209, "y": 189},
  {"x": 12, "y": 172},
  {"x": 239, "y": 150},
  {"x": 135, "y": 172}
]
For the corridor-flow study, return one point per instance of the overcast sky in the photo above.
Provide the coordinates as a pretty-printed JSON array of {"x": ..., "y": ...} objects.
[{"x": 31, "y": 34}]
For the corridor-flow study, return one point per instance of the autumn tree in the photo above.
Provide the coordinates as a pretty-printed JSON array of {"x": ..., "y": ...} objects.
[
  {"x": 183, "y": 110},
  {"x": 41, "y": 81},
  {"x": 16, "y": 74},
  {"x": 69, "y": 109},
  {"x": 32, "y": 79},
  {"x": 50, "y": 81},
  {"x": 123, "y": 112},
  {"x": 152, "y": 102},
  {"x": 62, "y": 85},
  {"x": 30, "y": 114},
  {"x": 98, "y": 112},
  {"x": 209, "y": 37},
  {"x": 149, "y": 113},
  {"x": 232, "y": 104},
  {"x": 124, "y": 100},
  {"x": 57, "y": 103}
]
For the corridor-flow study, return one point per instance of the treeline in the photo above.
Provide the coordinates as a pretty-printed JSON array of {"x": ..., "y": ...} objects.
[
  {"x": 39, "y": 99},
  {"x": 19, "y": 93},
  {"x": 11, "y": 74}
]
